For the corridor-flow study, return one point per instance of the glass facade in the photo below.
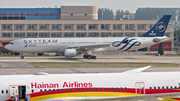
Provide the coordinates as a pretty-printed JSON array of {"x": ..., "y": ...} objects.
[
  {"x": 43, "y": 26},
  {"x": 19, "y": 34},
  {"x": 29, "y": 34},
  {"x": 68, "y": 26},
  {"x": 80, "y": 26},
  {"x": 56, "y": 34},
  {"x": 93, "y": 34},
  {"x": 68, "y": 34},
  {"x": 93, "y": 26},
  {"x": 31, "y": 26},
  {"x": 117, "y": 34},
  {"x": 129, "y": 34},
  {"x": 141, "y": 26},
  {"x": 129, "y": 26},
  {"x": 105, "y": 34},
  {"x": 56, "y": 27},
  {"x": 117, "y": 26},
  {"x": 81, "y": 34},
  {"x": 19, "y": 26}
]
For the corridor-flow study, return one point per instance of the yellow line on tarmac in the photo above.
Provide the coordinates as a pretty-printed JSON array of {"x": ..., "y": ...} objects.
[{"x": 145, "y": 60}]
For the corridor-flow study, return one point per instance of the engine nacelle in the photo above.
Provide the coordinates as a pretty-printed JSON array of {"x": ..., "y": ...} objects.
[{"x": 70, "y": 53}]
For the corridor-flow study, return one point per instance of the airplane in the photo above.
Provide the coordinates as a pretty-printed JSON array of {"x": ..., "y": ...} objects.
[
  {"x": 71, "y": 47},
  {"x": 131, "y": 85}
]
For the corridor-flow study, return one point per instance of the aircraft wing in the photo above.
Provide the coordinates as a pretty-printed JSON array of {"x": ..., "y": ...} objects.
[
  {"x": 88, "y": 47},
  {"x": 138, "y": 70},
  {"x": 147, "y": 97},
  {"x": 92, "y": 47}
]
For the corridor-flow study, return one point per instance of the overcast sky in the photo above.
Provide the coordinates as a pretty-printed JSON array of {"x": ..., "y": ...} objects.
[{"x": 130, "y": 5}]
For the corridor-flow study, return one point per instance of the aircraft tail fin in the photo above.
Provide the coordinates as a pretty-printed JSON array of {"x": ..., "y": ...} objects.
[{"x": 159, "y": 28}]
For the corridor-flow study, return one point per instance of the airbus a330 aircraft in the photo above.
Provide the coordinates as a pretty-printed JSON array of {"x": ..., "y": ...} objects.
[
  {"x": 132, "y": 85},
  {"x": 70, "y": 47}
]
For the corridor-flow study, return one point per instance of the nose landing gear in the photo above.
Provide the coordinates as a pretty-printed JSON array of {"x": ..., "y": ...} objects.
[{"x": 22, "y": 57}]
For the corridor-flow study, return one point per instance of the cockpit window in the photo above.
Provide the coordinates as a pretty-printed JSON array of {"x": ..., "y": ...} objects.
[{"x": 11, "y": 43}]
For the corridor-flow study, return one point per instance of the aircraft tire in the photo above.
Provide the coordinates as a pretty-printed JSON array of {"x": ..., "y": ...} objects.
[
  {"x": 22, "y": 57},
  {"x": 85, "y": 56},
  {"x": 89, "y": 57},
  {"x": 93, "y": 57}
]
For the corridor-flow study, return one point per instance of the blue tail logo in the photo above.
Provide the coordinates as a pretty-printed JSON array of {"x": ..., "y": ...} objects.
[
  {"x": 159, "y": 28},
  {"x": 126, "y": 43}
]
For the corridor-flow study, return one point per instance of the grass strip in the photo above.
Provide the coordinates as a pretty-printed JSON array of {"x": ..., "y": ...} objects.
[{"x": 99, "y": 64}]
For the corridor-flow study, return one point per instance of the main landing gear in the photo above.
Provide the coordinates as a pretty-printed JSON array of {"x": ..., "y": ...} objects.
[
  {"x": 22, "y": 57},
  {"x": 86, "y": 56}
]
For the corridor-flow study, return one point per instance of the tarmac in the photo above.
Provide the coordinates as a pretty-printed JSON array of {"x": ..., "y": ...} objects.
[{"x": 15, "y": 65}]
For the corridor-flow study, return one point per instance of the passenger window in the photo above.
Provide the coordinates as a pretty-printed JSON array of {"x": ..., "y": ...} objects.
[
  {"x": 87, "y": 89},
  {"x": 32, "y": 91},
  {"x": 2, "y": 91},
  {"x": 91, "y": 89},
  {"x": 66, "y": 90},
  {"x": 179, "y": 87},
  {"x": 41, "y": 90},
  {"x": 83, "y": 89},
  {"x": 62, "y": 90},
  {"x": 95, "y": 89},
  {"x": 70, "y": 90},
  {"x": 150, "y": 88},
  {"x": 49, "y": 90},
  {"x": 171, "y": 88},
  {"x": 57, "y": 90},
  {"x": 108, "y": 89},
  {"x": 121, "y": 88},
  {"x": 154, "y": 88},
  {"x": 125, "y": 88},
  {"x": 75, "y": 90},
  {"x": 53, "y": 90},
  {"x": 104, "y": 89},
  {"x": 167, "y": 87},
  {"x": 159, "y": 88},
  {"x": 79, "y": 89},
  {"x": 117, "y": 89},
  {"x": 45, "y": 90},
  {"x": 112, "y": 89},
  {"x": 163, "y": 88},
  {"x": 175, "y": 87},
  {"x": 6, "y": 91}
]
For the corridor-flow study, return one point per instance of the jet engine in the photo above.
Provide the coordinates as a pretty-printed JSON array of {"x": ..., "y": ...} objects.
[{"x": 71, "y": 52}]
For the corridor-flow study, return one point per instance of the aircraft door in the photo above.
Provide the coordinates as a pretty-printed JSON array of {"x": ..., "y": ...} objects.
[
  {"x": 22, "y": 92},
  {"x": 140, "y": 88},
  {"x": 13, "y": 90}
]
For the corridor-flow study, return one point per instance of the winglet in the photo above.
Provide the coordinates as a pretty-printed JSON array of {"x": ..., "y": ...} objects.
[{"x": 138, "y": 70}]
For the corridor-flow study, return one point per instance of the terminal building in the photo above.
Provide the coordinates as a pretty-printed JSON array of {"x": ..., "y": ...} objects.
[{"x": 70, "y": 21}]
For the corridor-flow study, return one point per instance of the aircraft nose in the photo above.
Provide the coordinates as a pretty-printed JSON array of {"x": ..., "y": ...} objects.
[{"x": 6, "y": 46}]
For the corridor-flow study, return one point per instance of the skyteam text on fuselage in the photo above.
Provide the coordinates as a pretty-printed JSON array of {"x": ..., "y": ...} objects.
[{"x": 70, "y": 47}]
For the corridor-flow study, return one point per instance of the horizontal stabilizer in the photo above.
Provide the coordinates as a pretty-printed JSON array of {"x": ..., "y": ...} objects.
[{"x": 137, "y": 70}]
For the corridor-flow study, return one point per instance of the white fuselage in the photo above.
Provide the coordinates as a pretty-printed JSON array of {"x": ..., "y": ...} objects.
[
  {"x": 55, "y": 45},
  {"x": 116, "y": 85}
]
